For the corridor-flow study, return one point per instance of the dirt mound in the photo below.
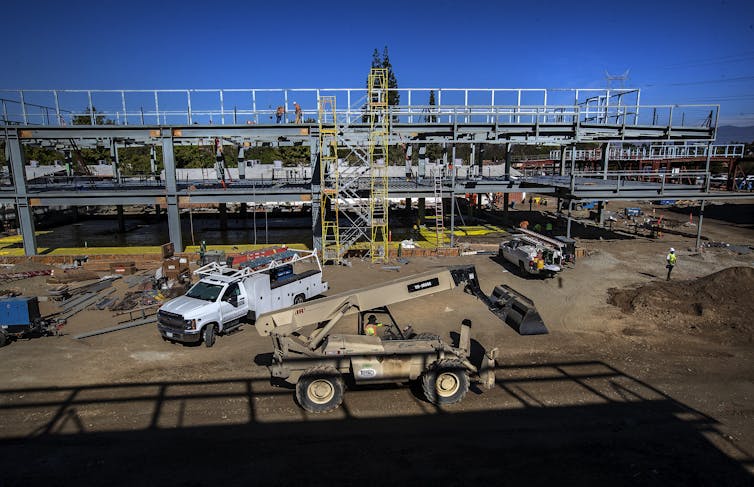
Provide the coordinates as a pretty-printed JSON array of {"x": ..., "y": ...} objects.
[{"x": 718, "y": 302}]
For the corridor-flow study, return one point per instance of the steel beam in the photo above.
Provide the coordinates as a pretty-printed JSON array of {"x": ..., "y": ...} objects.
[{"x": 523, "y": 133}]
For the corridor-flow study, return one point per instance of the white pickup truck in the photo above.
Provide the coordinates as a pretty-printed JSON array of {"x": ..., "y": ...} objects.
[
  {"x": 225, "y": 298},
  {"x": 531, "y": 256}
]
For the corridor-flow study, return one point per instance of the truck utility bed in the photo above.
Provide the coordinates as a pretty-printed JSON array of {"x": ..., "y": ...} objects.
[{"x": 294, "y": 277}]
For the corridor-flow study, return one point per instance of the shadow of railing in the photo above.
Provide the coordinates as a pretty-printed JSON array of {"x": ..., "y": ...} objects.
[{"x": 560, "y": 423}]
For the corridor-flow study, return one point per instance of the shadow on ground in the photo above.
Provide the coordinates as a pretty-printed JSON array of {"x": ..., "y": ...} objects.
[
  {"x": 578, "y": 228},
  {"x": 742, "y": 214},
  {"x": 619, "y": 431}
]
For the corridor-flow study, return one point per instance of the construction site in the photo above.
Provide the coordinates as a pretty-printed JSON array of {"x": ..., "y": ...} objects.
[{"x": 421, "y": 300}]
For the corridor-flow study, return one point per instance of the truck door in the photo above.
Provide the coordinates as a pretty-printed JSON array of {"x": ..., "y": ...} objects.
[
  {"x": 232, "y": 303},
  {"x": 509, "y": 249}
]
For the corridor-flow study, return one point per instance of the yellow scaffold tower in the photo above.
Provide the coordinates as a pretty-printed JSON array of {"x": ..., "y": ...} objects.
[
  {"x": 328, "y": 172},
  {"x": 379, "y": 130}
]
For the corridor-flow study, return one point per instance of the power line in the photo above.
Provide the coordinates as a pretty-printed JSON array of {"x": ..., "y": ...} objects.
[
  {"x": 723, "y": 98},
  {"x": 705, "y": 82},
  {"x": 734, "y": 58}
]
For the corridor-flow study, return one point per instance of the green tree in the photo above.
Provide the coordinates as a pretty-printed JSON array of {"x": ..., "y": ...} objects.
[
  {"x": 376, "y": 59},
  {"x": 43, "y": 155},
  {"x": 393, "y": 97},
  {"x": 86, "y": 118}
]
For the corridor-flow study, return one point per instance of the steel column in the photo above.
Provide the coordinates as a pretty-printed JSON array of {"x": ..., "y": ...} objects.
[
  {"x": 706, "y": 178},
  {"x": 24, "y": 210},
  {"x": 116, "y": 161},
  {"x": 23, "y": 107},
  {"x": 573, "y": 168},
  {"x": 60, "y": 120},
  {"x": 123, "y": 104},
  {"x": 699, "y": 226},
  {"x": 171, "y": 190},
  {"x": 506, "y": 196},
  {"x": 315, "y": 194},
  {"x": 452, "y": 195}
]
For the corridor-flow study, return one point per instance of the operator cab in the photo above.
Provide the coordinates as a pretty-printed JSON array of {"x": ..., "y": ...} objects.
[{"x": 387, "y": 328}]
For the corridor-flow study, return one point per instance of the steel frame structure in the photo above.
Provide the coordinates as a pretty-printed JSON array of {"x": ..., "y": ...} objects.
[{"x": 461, "y": 116}]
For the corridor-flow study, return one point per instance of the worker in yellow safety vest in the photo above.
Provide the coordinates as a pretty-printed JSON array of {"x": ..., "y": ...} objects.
[
  {"x": 671, "y": 260},
  {"x": 370, "y": 329}
]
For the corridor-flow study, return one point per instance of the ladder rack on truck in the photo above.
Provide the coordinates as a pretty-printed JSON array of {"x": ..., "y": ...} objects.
[
  {"x": 252, "y": 255},
  {"x": 256, "y": 266},
  {"x": 541, "y": 239}
]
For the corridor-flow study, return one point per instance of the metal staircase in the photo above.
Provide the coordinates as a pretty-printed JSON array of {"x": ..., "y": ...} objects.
[
  {"x": 350, "y": 212},
  {"x": 344, "y": 209}
]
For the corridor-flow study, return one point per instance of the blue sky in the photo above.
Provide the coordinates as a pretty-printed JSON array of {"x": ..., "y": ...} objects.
[{"x": 677, "y": 52}]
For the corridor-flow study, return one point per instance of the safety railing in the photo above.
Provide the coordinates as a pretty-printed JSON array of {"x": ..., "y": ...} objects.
[
  {"x": 668, "y": 151},
  {"x": 620, "y": 179},
  {"x": 278, "y": 106}
]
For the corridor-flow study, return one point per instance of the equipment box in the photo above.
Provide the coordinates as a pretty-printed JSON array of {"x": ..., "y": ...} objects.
[
  {"x": 126, "y": 268},
  {"x": 281, "y": 272},
  {"x": 213, "y": 256},
  {"x": 175, "y": 268},
  {"x": 18, "y": 313}
]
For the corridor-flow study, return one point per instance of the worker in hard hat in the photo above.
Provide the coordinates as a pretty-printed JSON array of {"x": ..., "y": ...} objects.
[
  {"x": 671, "y": 260},
  {"x": 297, "y": 108},
  {"x": 370, "y": 329}
]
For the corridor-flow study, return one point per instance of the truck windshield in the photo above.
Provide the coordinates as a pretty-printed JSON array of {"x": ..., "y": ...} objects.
[{"x": 205, "y": 291}]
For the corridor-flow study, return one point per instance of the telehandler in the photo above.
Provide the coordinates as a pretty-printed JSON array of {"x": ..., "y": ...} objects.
[{"x": 318, "y": 362}]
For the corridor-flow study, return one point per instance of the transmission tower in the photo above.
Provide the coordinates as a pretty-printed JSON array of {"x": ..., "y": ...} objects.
[{"x": 621, "y": 78}]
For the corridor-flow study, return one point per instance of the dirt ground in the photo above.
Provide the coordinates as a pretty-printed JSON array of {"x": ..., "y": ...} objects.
[{"x": 608, "y": 396}]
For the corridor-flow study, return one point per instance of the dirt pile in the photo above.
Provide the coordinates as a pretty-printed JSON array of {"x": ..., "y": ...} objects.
[{"x": 719, "y": 302}]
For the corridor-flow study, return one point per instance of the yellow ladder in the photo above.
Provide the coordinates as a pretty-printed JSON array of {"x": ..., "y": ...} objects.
[
  {"x": 379, "y": 132},
  {"x": 329, "y": 180}
]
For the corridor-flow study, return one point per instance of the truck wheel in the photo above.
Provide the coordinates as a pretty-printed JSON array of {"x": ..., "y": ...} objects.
[
  {"x": 522, "y": 267},
  {"x": 3, "y": 339},
  {"x": 300, "y": 298},
  {"x": 445, "y": 382},
  {"x": 209, "y": 335},
  {"x": 320, "y": 389}
]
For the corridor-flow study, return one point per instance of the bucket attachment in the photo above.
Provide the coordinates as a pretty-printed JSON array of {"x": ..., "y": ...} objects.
[{"x": 517, "y": 311}]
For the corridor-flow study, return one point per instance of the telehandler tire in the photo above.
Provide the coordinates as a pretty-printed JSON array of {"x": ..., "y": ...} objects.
[
  {"x": 209, "y": 335},
  {"x": 445, "y": 382},
  {"x": 320, "y": 389}
]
